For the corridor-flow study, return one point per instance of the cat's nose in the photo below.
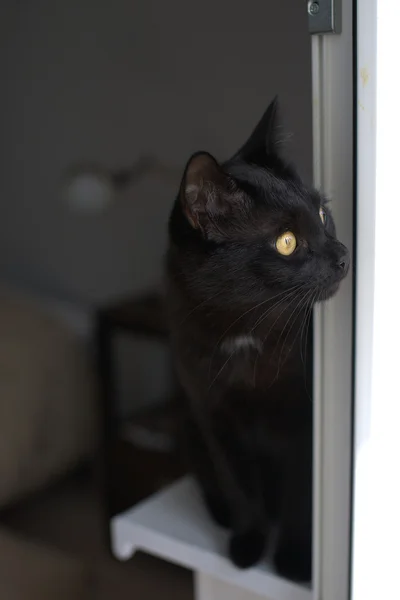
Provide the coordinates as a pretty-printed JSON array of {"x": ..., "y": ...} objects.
[{"x": 344, "y": 262}]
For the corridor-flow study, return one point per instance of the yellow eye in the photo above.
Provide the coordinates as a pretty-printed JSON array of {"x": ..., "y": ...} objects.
[
  {"x": 322, "y": 215},
  {"x": 286, "y": 243}
]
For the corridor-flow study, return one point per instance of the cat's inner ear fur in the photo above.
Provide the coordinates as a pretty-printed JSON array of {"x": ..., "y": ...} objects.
[{"x": 204, "y": 190}]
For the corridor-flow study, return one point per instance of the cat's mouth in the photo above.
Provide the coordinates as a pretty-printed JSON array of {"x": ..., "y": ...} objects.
[
  {"x": 340, "y": 273},
  {"x": 328, "y": 292}
]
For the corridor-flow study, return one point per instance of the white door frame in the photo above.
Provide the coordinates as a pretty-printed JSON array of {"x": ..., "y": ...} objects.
[
  {"x": 376, "y": 504},
  {"x": 332, "y": 76}
]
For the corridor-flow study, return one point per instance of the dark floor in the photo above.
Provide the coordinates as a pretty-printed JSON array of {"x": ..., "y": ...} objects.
[{"x": 68, "y": 517}]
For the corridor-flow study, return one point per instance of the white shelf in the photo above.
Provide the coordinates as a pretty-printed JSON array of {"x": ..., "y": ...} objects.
[{"x": 173, "y": 524}]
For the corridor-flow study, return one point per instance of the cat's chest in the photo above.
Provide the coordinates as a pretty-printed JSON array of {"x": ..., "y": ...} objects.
[
  {"x": 265, "y": 420},
  {"x": 241, "y": 345},
  {"x": 247, "y": 359}
]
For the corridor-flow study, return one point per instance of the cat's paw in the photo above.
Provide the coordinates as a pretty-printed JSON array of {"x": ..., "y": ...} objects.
[
  {"x": 293, "y": 561},
  {"x": 218, "y": 510},
  {"x": 247, "y": 549}
]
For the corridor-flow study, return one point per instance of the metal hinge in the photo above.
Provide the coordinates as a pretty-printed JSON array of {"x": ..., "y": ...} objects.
[{"x": 324, "y": 16}]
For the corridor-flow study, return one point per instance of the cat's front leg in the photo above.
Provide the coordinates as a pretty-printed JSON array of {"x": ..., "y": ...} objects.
[
  {"x": 232, "y": 487},
  {"x": 239, "y": 507},
  {"x": 248, "y": 517},
  {"x": 293, "y": 557},
  {"x": 247, "y": 547},
  {"x": 235, "y": 501}
]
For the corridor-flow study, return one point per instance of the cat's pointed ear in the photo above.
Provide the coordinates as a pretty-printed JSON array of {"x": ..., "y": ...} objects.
[
  {"x": 203, "y": 190},
  {"x": 264, "y": 139}
]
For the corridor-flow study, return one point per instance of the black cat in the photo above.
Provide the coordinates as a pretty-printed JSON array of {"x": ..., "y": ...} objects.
[{"x": 252, "y": 249}]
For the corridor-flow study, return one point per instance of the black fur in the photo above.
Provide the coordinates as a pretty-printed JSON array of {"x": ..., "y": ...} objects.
[{"x": 248, "y": 410}]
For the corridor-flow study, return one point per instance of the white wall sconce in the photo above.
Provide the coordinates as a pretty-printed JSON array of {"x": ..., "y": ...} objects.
[{"x": 91, "y": 188}]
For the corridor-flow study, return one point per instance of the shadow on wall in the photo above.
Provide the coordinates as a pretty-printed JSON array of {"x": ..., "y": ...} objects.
[{"x": 90, "y": 81}]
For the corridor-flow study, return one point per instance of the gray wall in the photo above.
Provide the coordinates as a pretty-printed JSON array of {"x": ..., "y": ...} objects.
[{"x": 106, "y": 81}]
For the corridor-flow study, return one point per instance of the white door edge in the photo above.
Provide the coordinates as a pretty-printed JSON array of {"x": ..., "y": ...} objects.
[{"x": 376, "y": 499}]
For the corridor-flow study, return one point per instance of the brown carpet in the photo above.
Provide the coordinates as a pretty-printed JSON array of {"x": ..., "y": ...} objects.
[
  {"x": 66, "y": 555},
  {"x": 30, "y": 571}
]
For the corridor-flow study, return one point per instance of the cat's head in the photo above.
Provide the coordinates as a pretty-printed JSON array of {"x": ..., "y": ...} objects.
[{"x": 250, "y": 226}]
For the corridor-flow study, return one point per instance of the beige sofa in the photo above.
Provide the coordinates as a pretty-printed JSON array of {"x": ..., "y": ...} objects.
[{"x": 48, "y": 419}]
